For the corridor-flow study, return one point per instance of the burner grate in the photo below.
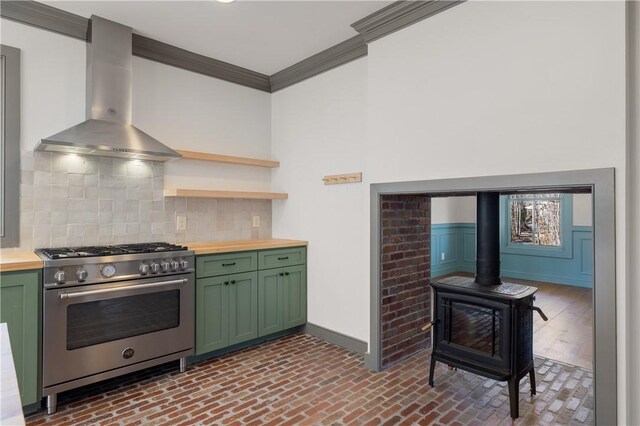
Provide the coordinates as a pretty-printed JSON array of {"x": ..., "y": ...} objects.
[{"x": 93, "y": 251}]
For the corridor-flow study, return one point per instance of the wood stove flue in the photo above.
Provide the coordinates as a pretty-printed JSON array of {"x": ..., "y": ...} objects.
[{"x": 488, "y": 238}]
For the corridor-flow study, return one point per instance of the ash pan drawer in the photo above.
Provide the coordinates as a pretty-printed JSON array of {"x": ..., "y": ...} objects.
[
  {"x": 223, "y": 264},
  {"x": 282, "y": 257}
]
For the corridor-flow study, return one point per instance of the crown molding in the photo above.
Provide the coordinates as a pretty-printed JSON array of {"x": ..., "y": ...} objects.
[
  {"x": 398, "y": 15},
  {"x": 330, "y": 58},
  {"x": 46, "y": 17},
  {"x": 379, "y": 24},
  {"x": 52, "y": 19},
  {"x": 168, "y": 54}
]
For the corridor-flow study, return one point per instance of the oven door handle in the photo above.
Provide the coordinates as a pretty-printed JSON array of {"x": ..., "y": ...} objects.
[{"x": 74, "y": 294}]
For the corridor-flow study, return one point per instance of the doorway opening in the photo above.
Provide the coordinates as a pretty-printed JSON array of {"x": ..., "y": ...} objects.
[{"x": 597, "y": 182}]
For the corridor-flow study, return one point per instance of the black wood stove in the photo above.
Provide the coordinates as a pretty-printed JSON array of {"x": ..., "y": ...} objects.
[{"x": 485, "y": 326}]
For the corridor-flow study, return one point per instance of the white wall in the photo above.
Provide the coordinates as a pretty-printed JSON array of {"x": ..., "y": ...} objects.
[
  {"x": 318, "y": 127},
  {"x": 485, "y": 88},
  {"x": 463, "y": 210},
  {"x": 453, "y": 210},
  {"x": 52, "y": 83},
  {"x": 191, "y": 111}
]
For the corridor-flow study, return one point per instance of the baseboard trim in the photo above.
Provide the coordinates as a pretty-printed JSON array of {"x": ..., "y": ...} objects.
[{"x": 350, "y": 343}]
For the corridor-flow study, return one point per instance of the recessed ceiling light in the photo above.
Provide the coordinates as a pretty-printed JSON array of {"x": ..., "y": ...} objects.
[{"x": 225, "y": 1}]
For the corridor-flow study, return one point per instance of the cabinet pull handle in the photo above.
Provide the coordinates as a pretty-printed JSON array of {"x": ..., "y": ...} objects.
[
  {"x": 233, "y": 281},
  {"x": 226, "y": 283},
  {"x": 228, "y": 264},
  {"x": 281, "y": 274},
  {"x": 286, "y": 273},
  {"x": 283, "y": 258}
]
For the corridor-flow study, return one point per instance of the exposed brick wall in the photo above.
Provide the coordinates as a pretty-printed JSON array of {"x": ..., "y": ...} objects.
[{"x": 406, "y": 269}]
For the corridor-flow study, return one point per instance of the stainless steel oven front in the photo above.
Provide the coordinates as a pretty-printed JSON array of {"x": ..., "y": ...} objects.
[{"x": 95, "y": 332}]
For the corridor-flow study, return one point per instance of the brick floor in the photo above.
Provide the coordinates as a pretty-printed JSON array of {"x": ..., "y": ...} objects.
[{"x": 301, "y": 380}]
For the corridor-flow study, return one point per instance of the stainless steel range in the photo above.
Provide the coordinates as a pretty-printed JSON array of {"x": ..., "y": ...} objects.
[{"x": 112, "y": 310}]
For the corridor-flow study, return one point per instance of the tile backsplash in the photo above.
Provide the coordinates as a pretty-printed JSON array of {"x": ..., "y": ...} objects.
[{"x": 70, "y": 200}]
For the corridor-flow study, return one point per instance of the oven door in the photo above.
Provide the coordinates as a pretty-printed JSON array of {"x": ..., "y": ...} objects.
[{"x": 92, "y": 329}]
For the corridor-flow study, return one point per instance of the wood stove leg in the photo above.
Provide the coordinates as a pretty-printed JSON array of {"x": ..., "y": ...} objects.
[
  {"x": 532, "y": 380},
  {"x": 513, "y": 398},
  {"x": 432, "y": 367}
]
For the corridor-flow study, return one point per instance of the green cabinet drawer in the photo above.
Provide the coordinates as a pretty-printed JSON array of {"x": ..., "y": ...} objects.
[
  {"x": 20, "y": 309},
  {"x": 268, "y": 259},
  {"x": 224, "y": 264}
]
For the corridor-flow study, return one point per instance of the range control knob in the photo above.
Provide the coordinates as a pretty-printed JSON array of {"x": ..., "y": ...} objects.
[
  {"x": 175, "y": 265},
  {"x": 184, "y": 264},
  {"x": 144, "y": 269},
  {"x": 165, "y": 266},
  {"x": 155, "y": 268},
  {"x": 81, "y": 274},
  {"x": 59, "y": 276}
]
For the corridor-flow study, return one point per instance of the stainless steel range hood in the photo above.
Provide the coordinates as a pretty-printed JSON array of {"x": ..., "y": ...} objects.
[{"x": 108, "y": 131}]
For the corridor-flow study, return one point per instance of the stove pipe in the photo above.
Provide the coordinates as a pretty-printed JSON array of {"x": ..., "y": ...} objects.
[{"x": 488, "y": 238}]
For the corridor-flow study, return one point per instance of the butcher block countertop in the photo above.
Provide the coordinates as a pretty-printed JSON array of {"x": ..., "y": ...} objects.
[
  {"x": 19, "y": 261},
  {"x": 242, "y": 245},
  {"x": 24, "y": 260}
]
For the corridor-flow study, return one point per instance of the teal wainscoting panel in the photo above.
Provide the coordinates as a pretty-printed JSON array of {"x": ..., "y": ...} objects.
[
  {"x": 574, "y": 270},
  {"x": 469, "y": 248},
  {"x": 449, "y": 239}
]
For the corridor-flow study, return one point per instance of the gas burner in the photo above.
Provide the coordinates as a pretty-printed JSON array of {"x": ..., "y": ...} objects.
[
  {"x": 150, "y": 247},
  {"x": 92, "y": 251}
]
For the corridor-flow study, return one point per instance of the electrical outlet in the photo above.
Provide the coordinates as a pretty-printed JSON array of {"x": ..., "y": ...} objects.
[
  {"x": 256, "y": 221},
  {"x": 442, "y": 256},
  {"x": 181, "y": 223}
]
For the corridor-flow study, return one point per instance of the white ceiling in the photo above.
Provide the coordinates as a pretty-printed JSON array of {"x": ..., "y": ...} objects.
[{"x": 264, "y": 36}]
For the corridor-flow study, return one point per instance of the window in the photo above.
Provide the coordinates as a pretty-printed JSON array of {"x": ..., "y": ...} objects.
[
  {"x": 535, "y": 219},
  {"x": 537, "y": 224},
  {"x": 9, "y": 146}
]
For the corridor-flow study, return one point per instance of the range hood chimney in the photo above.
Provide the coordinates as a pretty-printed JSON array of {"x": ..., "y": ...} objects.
[
  {"x": 488, "y": 238},
  {"x": 108, "y": 131}
]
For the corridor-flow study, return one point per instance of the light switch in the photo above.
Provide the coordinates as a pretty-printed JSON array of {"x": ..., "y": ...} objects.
[{"x": 256, "y": 221}]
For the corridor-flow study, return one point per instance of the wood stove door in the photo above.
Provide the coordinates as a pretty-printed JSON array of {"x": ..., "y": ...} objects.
[{"x": 474, "y": 331}]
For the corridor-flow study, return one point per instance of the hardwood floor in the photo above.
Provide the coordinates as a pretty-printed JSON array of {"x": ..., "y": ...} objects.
[{"x": 568, "y": 335}]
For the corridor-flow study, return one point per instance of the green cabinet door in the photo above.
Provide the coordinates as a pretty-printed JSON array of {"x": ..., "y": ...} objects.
[
  {"x": 20, "y": 309},
  {"x": 243, "y": 307},
  {"x": 212, "y": 317},
  {"x": 295, "y": 295},
  {"x": 270, "y": 299}
]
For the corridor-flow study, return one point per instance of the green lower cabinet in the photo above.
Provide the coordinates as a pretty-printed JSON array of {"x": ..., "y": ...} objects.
[
  {"x": 295, "y": 296},
  {"x": 270, "y": 300},
  {"x": 20, "y": 309},
  {"x": 282, "y": 299},
  {"x": 226, "y": 311},
  {"x": 243, "y": 307},
  {"x": 212, "y": 318}
]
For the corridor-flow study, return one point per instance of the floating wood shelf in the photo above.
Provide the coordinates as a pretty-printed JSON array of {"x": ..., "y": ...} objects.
[
  {"x": 204, "y": 156},
  {"x": 205, "y": 193}
]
